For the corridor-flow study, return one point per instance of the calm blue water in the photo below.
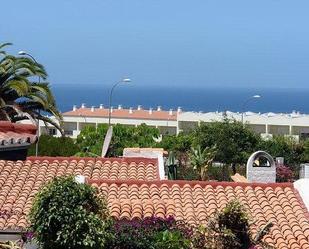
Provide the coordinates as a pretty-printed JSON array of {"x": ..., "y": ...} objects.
[{"x": 203, "y": 99}]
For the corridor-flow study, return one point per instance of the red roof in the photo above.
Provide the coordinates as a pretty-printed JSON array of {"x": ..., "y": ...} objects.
[
  {"x": 195, "y": 202},
  {"x": 21, "y": 180},
  {"x": 14, "y": 134},
  {"x": 122, "y": 113},
  {"x": 133, "y": 191}
]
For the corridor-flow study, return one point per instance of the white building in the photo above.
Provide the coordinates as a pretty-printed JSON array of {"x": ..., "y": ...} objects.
[
  {"x": 77, "y": 118},
  {"x": 173, "y": 122}
]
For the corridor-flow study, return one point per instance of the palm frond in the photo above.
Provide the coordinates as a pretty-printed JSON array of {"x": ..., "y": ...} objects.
[{"x": 20, "y": 86}]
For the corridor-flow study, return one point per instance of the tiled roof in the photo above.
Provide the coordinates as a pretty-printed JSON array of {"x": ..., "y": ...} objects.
[
  {"x": 122, "y": 113},
  {"x": 15, "y": 135},
  {"x": 20, "y": 181},
  {"x": 133, "y": 190},
  {"x": 195, "y": 202}
]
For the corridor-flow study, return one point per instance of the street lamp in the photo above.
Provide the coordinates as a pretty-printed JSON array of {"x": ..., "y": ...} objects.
[
  {"x": 246, "y": 102},
  {"x": 125, "y": 80},
  {"x": 24, "y": 53}
]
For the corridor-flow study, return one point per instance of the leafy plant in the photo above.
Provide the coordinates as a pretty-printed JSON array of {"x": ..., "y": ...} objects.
[
  {"x": 201, "y": 159},
  {"x": 234, "y": 142},
  {"x": 67, "y": 215},
  {"x": 91, "y": 139},
  {"x": 55, "y": 146},
  {"x": 171, "y": 240},
  {"x": 284, "y": 174},
  {"x": 230, "y": 229}
]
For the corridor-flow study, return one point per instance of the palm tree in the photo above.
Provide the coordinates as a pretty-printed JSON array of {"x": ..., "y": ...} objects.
[
  {"x": 201, "y": 159},
  {"x": 19, "y": 94}
]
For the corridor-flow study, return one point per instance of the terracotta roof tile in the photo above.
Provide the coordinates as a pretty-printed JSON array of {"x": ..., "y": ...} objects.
[
  {"x": 195, "y": 202},
  {"x": 20, "y": 181},
  {"x": 127, "y": 184},
  {"x": 13, "y": 134},
  {"x": 122, "y": 113}
]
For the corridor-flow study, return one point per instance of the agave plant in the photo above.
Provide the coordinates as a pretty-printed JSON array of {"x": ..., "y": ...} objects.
[{"x": 19, "y": 92}]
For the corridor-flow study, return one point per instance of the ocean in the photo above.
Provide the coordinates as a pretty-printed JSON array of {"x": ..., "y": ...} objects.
[{"x": 189, "y": 99}]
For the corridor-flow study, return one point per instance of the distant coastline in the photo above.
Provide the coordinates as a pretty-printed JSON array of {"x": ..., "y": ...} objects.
[{"x": 282, "y": 100}]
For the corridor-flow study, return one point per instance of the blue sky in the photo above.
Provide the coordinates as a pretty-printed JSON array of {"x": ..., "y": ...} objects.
[{"x": 196, "y": 43}]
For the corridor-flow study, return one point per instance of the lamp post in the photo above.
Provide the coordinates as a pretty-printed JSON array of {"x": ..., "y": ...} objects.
[
  {"x": 245, "y": 103},
  {"x": 125, "y": 80},
  {"x": 24, "y": 53}
]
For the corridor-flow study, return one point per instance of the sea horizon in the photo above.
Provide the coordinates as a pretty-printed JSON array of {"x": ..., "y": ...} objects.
[{"x": 205, "y": 99}]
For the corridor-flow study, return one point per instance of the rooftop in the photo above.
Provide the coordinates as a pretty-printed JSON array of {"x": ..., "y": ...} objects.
[
  {"x": 16, "y": 135},
  {"x": 195, "y": 202},
  {"x": 138, "y": 113},
  {"x": 133, "y": 191}
]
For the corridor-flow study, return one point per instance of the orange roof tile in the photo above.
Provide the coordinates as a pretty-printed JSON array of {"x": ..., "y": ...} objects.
[
  {"x": 122, "y": 113},
  {"x": 195, "y": 202},
  {"x": 127, "y": 184},
  {"x": 15, "y": 135},
  {"x": 20, "y": 181}
]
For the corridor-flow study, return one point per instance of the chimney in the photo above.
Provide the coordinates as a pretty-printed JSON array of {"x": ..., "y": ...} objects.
[
  {"x": 179, "y": 110},
  {"x": 131, "y": 110},
  {"x": 92, "y": 108},
  {"x": 119, "y": 107},
  {"x": 159, "y": 108},
  {"x": 74, "y": 108},
  {"x": 101, "y": 106},
  {"x": 150, "y": 110},
  {"x": 83, "y": 105},
  {"x": 139, "y": 107},
  {"x": 170, "y": 112}
]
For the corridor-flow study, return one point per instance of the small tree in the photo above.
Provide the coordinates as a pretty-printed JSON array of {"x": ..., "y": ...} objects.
[
  {"x": 234, "y": 141},
  {"x": 201, "y": 159},
  {"x": 69, "y": 215}
]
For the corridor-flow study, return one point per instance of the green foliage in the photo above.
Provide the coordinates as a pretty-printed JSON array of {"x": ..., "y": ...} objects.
[
  {"x": 234, "y": 141},
  {"x": 91, "y": 139},
  {"x": 230, "y": 229},
  {"x": 202, "y": 159},
  {"x": 54, "y": 146},
  {"x": 280, "y": 146},
  {"x": 69, "y": 215},
  {"x": 19, "y": 92},
  {"x": 180, "y": 145},
  {"x": 305, "y": 156},
  {"x": 171, "y": 240}
]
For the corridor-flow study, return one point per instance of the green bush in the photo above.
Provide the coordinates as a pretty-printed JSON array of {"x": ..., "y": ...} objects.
[
  {"x": 171, "y": 240},
  {"x": 90, "y": 140},
  {"x": 69, "y": 215},
  {"x": 230, "y": 229},
  {"x": 54, "y": 146}
]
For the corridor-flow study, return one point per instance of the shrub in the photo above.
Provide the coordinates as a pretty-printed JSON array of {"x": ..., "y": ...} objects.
[
  {"x": 171, "y": 240},
  {"x": 230, "y": 229},
  {"x": 67, "y": 215},
  {"x": 54, "y": 146},
  {"x": 150, "y": 233},
  {"x": 284, "y": 174}
]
